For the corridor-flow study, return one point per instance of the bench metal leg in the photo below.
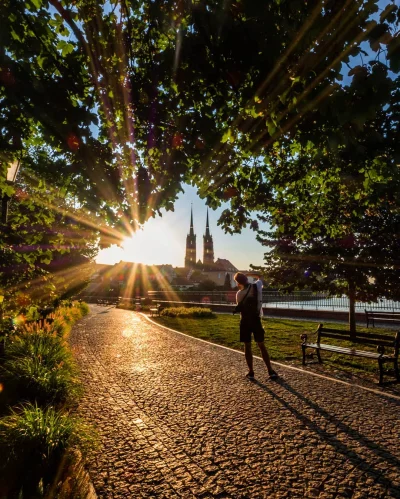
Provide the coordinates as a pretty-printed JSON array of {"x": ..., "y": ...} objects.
[
  {"x": 304, "y": 354},
  {"x": 396, "y": 370},
  {"x": 319, "y": 356},
  {"x": 380, "y": 371}
]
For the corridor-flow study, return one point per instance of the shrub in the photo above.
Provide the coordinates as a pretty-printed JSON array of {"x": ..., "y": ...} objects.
[
  {"x": 187, "y": 312},
  {"x": 33, "y": 314},
  {"x": 59, "y": 327},
  {"x": 65, "y": 317},
  {"x": 42, "y": 367},
  {"x": 37, "y": 438},
  {"x": 84, "y": 307}
]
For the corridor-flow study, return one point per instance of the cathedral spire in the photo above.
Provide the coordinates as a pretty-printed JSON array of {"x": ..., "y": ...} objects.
[
  {"x": 190, "y": 257},
  {"x": 207, "y": 226},
  {"x": 191, "y": 221},
  {"x": 208, "y": 245}
]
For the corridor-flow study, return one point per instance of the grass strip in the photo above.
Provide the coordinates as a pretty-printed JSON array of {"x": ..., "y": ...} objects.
[{"x": 282, "y": 338}]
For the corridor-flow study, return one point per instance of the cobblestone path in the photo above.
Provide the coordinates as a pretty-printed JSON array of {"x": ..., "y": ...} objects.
[{"x": 177, "y": 418}]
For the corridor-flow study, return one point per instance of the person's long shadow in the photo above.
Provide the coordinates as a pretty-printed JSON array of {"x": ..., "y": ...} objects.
[
  {"x": 104, "y": 311},
  {"x": 360, "y": 462}
]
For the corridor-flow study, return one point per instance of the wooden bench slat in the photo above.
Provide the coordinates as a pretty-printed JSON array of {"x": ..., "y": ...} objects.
[
  {"x": 375, "y": 336},
  {"x": 361, "y": 341},
  {"x": 390, "y": 314},
  {"x": 386, "y": 314},
  {"x": 339, "y": 336},
  {"x": 385, "y": 319},
  {"x": 351, "y": 351},
  {"x": 373, "y": 341}
]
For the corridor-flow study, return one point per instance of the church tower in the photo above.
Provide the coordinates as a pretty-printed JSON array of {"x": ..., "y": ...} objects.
[
  {"x": 190, "y": 258},
  {"x": 208, "y": 246}
]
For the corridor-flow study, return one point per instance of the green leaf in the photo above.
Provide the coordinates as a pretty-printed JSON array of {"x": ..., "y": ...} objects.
[
  {"x": 271, "y": 127},
  {"x": 37, "y": 3},
  {"x": 65, "y": 47},
  {"x": 283, "y": 97},
  {"x": 40, "y": 60},
  {"x": 227, "y": 137},
  {"x": 385, "y": 13}
]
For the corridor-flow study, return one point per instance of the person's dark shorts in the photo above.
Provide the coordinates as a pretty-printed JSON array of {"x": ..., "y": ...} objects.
[{"x": 251, "y": 325}]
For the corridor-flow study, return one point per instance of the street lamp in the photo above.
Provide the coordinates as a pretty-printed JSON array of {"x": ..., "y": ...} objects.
[{"x": 12, "y": 172}]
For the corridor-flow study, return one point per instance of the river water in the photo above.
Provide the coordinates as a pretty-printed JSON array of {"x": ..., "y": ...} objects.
[{"x": 339, "y": 304}]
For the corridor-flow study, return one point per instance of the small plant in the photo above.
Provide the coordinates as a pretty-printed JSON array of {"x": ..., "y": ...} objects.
[
  {"x": 65, "y": 303},
  {"x": 187, "y": 312},
  {"x": 59, "y": 327},
  {"x": 37, "y": 438},
  {"x": 83, "y": 307},
  {"x": 42, "y": 367},
  {"x": 33, "y": 313}
]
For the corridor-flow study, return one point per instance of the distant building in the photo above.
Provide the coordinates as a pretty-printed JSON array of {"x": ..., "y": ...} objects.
[
  {"x": 208, "y": 246},
  {"x": 167, "y": 271},
  {"x": 190, "y": 257},
  {"x": 208, "y": 269}
]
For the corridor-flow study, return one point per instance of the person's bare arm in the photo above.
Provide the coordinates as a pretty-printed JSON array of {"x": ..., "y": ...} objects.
[{"x": 254, "y": 274}]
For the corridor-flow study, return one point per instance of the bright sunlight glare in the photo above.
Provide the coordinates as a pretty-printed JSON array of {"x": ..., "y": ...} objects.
[{"x": 149, "y": 247}]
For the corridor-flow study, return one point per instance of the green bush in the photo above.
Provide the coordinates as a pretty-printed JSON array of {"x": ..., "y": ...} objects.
[
  {"x": 33, "y": 314},
  {"x": 38, "y": 366},
  {"x": 30, "y": 429},
  {"x": 187, "y": 312},
  {"x": 59, "y": 327},
  {"x": 42, "y": 367},
  {"x": 37, "y": 438},
  {"x": 65, "y": 317},
  {"x": 83, "y": 307}
]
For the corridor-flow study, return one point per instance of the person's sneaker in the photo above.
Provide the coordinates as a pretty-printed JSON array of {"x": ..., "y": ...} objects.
[
  {"x": 250, "y": 376},
  {"x": 273, "y": 375}
]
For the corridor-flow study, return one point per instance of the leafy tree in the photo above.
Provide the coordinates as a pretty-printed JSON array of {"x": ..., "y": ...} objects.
[
  {"x": 45, "y": 250},
  {"x": 337, "y": 227},
  {"x": 207, "y": 285}
]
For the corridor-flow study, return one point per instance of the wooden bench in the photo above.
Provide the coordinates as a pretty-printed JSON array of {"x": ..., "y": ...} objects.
[
  {"x": 381, "y": 341},
  {"x": 375, "y": 315},
  {"x": 156, "y": 310}
]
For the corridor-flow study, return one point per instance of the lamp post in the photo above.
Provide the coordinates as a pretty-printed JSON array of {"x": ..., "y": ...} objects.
[{"x": 12, "y": 172}]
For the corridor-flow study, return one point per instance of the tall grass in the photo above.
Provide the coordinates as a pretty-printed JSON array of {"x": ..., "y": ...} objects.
[
  {"x": 38, "y": 368},
  {"x": 43, "y": 368},
  {"x": 37, "y": 438}
]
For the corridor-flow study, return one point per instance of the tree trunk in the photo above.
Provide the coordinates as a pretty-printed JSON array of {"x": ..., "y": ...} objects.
[{"x": 352, "y": 309}]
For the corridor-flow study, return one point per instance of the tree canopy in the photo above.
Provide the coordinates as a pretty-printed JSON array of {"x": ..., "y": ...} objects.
[{"x": 114, "y": 104}]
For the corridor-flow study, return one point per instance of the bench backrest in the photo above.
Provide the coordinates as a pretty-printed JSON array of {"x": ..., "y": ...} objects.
[
  {"x": 384, "y": 340},
  {"x": 383, "y": 313}
]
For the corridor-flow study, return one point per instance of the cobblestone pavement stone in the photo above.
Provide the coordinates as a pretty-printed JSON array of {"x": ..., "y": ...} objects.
[{"x": 177, "y": 418}]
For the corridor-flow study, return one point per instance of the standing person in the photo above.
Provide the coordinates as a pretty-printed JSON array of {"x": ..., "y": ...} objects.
[{"x": 249, "y": 303}]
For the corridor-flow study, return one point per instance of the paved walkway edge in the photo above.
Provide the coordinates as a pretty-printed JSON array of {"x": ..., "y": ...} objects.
[{"x": 286, "y": 366}]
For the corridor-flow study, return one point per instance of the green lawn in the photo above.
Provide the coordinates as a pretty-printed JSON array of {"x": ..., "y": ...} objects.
[{"x": 282, "y": 339}]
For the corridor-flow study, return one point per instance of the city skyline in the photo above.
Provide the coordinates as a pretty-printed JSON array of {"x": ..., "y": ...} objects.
[{"x": 163, "y": 239}]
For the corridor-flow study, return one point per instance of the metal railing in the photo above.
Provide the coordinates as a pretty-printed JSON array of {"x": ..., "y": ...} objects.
[
  {"x": 306, "y": 300},
  {"x": 299, "y": 299},
  {"x": 315, "y": 301}
]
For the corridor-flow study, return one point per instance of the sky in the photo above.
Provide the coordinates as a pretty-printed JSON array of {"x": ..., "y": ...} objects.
[{"x": 163, "y": 239}]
